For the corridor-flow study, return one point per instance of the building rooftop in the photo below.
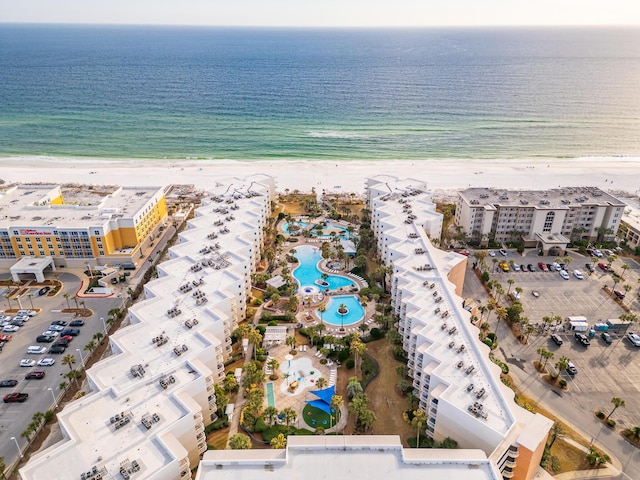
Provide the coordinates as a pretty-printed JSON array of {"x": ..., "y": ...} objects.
[
  {"x": 333, "y": 457},
  {"x": 27, "y": 205},
  {"x": 556, "y": 198}
]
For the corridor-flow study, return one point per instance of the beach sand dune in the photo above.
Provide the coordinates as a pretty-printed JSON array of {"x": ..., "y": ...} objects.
[{"x": 615, "y": 174}]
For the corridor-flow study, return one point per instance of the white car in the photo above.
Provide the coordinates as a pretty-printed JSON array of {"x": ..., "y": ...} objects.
[
  {"x": 46, "y": 362},
  {"x": 504, "y": 253},
  {"x": 56, "y": 328},
  {"x": 556, "y": 266},
  {"x": 10, "y": 328},
  {"x": 598, "y": 253},
  {"x": 578, "y": 274},
  {"x": 27, "y": 362},
  {"x": 28, "y": 313},
  {"x": 564, "y": 274},
  {"x": 36, "y": 350},
  {"x": 23, "y": 318},
  {"x": 516, "y": 267},
  {"x": 634, "y": 338},
  {"x": 5, "y": 318},
  {"x": 492, "y": 253},
  {"x": 51, "y": 333}
]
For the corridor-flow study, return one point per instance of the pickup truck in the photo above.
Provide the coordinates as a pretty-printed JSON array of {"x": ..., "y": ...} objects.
[{"x": 16, "y": 397}]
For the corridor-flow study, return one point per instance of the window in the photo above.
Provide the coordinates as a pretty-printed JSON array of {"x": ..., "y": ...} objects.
[{"x": 548, "y": 221}]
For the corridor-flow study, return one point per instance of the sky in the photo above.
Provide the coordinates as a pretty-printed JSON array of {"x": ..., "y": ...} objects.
[{"x": 324, "y": 13}]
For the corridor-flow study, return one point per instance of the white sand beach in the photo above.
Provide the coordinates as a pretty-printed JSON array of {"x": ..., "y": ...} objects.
[{"x": 613, "y": 174}]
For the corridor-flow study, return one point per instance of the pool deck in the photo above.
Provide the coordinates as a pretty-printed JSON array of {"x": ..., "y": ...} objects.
[{"x": 297, "y": 401}]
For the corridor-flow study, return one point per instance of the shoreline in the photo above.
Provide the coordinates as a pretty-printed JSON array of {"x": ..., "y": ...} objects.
[{"x": 608, "y": 173}]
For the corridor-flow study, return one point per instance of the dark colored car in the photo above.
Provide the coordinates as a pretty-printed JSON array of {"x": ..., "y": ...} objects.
[
  {"x": 44, "y": 290},
  {"x": 36, "y": 375},
  {"x": 550, "y": 267},
  {"x": 16, "y": 397},
  {"x": 619, "y": 294},
  {"x": 44, "y": 339},
  {"x": 556, "y": 339},
  {"x": 63, "y": 342},
  {"x": 606, "y": 337},
  {"x": 57, "y": 349},
  {"x": 62, "y": 323},
  {"x": 8, "y": 383},
  {"x": 74, "y": 332},
  {"x": 76, "y": 323},
  {"x": 530, "y": 268},
  {"x": 582, "y": 338},
  {"x": 589, "y": 266}
]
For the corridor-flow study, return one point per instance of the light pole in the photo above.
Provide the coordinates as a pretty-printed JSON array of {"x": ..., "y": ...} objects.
[
  {"x": 18, "y": 446},
  {"x": 104, "y": 325},
  {"x": 81, "y": 359},
  {"x": 55, "y": 402}
]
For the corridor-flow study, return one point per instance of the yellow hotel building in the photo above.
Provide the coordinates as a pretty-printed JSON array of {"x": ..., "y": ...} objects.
[{"x": 96, "y": 224}]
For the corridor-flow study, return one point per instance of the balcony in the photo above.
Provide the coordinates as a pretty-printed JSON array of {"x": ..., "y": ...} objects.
[
  {"x": 510, "y": 464},
  {"x": 513, "y": 452},
  {"x": 508, "y": 473}
]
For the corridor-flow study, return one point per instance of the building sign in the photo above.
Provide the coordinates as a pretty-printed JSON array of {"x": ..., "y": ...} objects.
[{"x": 31, "y": 231}]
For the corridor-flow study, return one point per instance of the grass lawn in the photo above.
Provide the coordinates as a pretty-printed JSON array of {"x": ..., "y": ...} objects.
[{"x": 314, "y": 418}]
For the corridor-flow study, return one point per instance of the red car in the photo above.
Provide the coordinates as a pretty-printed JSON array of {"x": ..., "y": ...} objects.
[
  {"x": 603, "y": 266},
  {"x": 16, "y": 397},
  {"x": 543, "y": 267},
  {"x": 5, "y": 338},
  {"x": 37, "y": 375}
]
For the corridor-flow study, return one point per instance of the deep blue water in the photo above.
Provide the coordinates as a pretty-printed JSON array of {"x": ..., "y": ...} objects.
[{"x": 169, "y": 92}]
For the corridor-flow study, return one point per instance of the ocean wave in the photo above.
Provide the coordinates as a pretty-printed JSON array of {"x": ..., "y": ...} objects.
[{"x": 333, "y": 134}]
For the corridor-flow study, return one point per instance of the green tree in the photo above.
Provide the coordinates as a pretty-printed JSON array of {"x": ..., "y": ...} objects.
[
  {"x": 556, "y": 431},
  {"x": 544, "y": 354},
  {"x": 358, "y": 405},
  {"x": 69, "y": 360},
  {"x": 240, "y": 441},
  {"x": 354, "y": 387},
  {"x": 321, "y": 383},
  {"x": 290, "y": 416},
  {"x": 270, "y": 414},
  {"x": 279, "y": 442},
  {"x": 90, "y": 346},
  {"x": 336, "y": 405}
]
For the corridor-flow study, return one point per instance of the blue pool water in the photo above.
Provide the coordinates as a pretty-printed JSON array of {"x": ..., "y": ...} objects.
[
  {"x": 332, "y": 317},
  {"x": 306, "y": 273},
  {"x": 343, "y": 232}
]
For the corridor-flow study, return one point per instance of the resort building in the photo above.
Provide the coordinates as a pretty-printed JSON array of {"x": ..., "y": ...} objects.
[
  {"x": 376, "y": 457},
  {"x": 629, "y": 230},
  {"x": 544, "y": 219},
  {"x": 103, "y": 225},
  {"x": 457, "y": 386},
  {"x": 149, "y": 402}
]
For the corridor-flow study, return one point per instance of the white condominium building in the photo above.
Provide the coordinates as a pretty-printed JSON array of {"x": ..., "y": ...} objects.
[
  {"x": 375, "y": 457},
  {"x": 149, "y": 402},
  {"x": 544, "y": 218},
  {"x": 457, "y": 386}
]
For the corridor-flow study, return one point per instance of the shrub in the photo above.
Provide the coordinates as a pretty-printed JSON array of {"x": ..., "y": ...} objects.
[
  {"x": 600, "y": 415},
  {"x": 343, "y": 355},
  {"x": 375, "y": 333},
  {"x": 260, "y": 425},
  {"x": 272, "y": 432},
  {"x": 350, "y": 363},
  {"x": 217, "y": 425},
  {"x": 398, "y": 354},
  {"x": 257, "y": 302},
  {"x": 611, "y": 423},
  {"x": 563, "y": 383}
]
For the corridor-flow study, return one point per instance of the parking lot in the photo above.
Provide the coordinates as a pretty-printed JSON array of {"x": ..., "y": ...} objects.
[
  {"x": 604, "y": 370},
  {"x": 15, "y": 417}
]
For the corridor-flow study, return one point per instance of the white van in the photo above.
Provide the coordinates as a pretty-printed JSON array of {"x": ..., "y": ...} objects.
[{"x": 36, "y": 349}]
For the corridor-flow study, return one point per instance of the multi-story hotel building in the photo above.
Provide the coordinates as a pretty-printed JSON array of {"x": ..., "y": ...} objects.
[
  {"x": 629, "y": 230},
  {"x": 150, "y": 401},
  {"x": 105, "y": 227},
  {"x": 549, "y": 218},
  {"x": 457, "y": 386}
]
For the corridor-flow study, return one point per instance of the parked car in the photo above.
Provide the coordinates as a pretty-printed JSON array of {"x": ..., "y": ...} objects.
[
  {"x": 61, "y": 323},
  {"x": 74, "y": 332},
  {"x": 516, "y": 267},
  {"x": 27, "y": 362},
  {"x": 51, "y": 333},
  {"x": 543, "y": 267},
  {"x": 36, "y": 349},
  {"x": 58, "y": 349},
  {"x": 598, "y": 253},
  {"x": 619, "y": 294},
  {"x": 503, "y": 252},
  {"x": 535, "y": 293},
  {"x": 5, "y": 318},
  {"x": 28, "y": 313},
  {"x": 583, "y": 339},
  {"x": 35, "y": 375},
  {"x": 589, "y": 266},
  {"x": 606, "y": 338},
  {"x": 61, "y": 342},
  {"x": 76, "y": 323},
  {"x": 491, "y": 253},
  {"x": 556, "y": 339},
  {"x": 10, "y": 328},
  {"x": 44, "y": 290},
  {"x": 56, "y": 328},
  {"x": 530, "y": 268},
  {"x": 571, "y": 369},
  {"x": 564, "y": 274},
  {"x": 16, "y": 397},
  {"x": 8, "y": 383},
  {"x": 556, "y": 266},
  {"x": 67, "y": 338},
  {"x": 44, "y": 339},
  {"x": 46, "y": 362},
  {"x": 22, "y": 318},
  {"x": 634, "y": 339},
  {"x": 603, "y": 266},
  {"x": 5, "y": 338},
  {"x": 504, "y": 266},
  {"x": 578, "y": 274}
]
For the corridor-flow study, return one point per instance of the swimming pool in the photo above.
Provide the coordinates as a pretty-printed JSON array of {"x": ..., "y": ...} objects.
[
  {"x": 355, "y": 311},
  {"x": 271, "y": 398},
  {"x": 325, "y": 233},
  {"x": 301, "y": 224},
  {"x": 308, "y": 275}
]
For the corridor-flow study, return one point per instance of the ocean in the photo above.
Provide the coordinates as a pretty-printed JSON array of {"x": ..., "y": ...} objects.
[{"x": 365, "y": 94}]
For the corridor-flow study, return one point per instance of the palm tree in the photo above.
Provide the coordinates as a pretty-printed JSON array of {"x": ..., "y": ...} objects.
[
  {"x": 66, "y": 297},
  {"x": 336, "y": 405},
  {"x": 273, "y": 364},
  {"x": 562, "y": 364},
  {"x": 69, "y": 360},
  {"x": 290, "y": 342},
  {"x": 239, "y": 441},
  {"x": 354, "y": 387},
  {"x": 91, "y": 346},
  {"x": 546, "y": 354},
  {"x": 624, "y": 267},
  {"x": 363, "y": 327},
  {"x": 98, "y": 336},
  {"x": 342, "y": 311},
  {"x": 511, "y": 281},
  {"x": 270, "y": 414},
  {"x": 556, "y": 431},
  {"x": 358, "y": 348},
  {"x": 279, "y": 442},
  {"x": 290, "y": 416},
  {"x": 358, "y": 405},
  {"x": 321, "y": 383},
  {"x": 418, "y": 421},
  {"x": 617, "y": 402},
  {"x": 501, "y": 314},
  {"x": 322, "y": 308}
]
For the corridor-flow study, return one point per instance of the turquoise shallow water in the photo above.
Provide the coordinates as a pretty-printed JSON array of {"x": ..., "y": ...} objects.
[{"x": 245, "y": 94}]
